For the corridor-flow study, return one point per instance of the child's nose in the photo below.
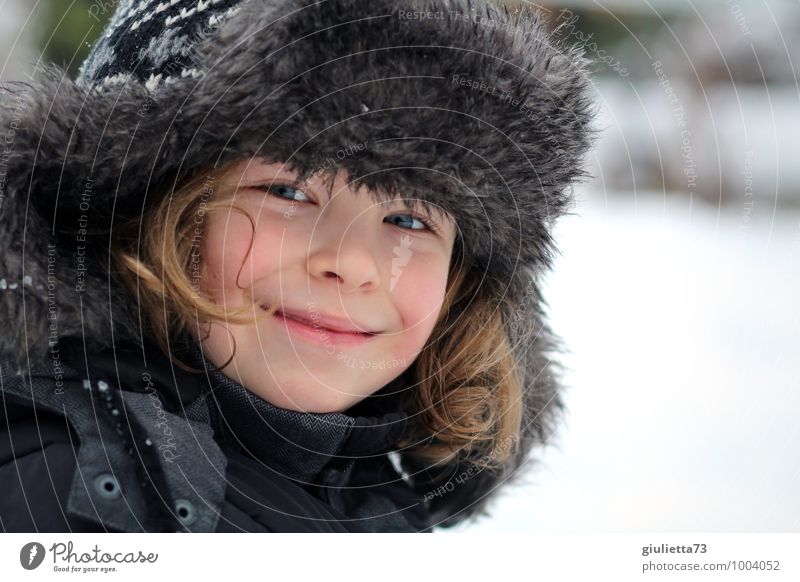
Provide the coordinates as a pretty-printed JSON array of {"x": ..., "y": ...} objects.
[{"x": 349, "y": 255}]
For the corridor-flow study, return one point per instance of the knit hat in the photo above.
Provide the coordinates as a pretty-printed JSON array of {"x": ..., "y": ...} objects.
[{"x": 454, "y": 102}]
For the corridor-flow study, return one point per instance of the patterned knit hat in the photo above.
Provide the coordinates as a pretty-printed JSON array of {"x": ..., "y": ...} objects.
[
  {"x": 153, "y": 41},
  {"x": 457, "y": 103}
]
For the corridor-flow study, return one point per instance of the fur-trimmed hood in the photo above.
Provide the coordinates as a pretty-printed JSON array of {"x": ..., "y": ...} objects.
[{"x": 473, "y": 109}]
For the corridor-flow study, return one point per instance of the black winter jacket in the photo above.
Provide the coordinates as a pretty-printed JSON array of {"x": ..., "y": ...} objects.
[{"x": 132, "y": 443}]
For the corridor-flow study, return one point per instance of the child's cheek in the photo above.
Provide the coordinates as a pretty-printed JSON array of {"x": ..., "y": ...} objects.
[
  {"x": 278, "y": 245},
  {"x": 225, "y": 249},
  {"x": 418, "y": 295}
]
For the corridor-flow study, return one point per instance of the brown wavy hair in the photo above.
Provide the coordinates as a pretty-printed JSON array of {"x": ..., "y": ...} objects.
[{"x": 466, "y": 396}]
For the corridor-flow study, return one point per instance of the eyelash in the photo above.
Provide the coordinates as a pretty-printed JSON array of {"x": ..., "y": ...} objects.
[{"x": 269, "y": 189}]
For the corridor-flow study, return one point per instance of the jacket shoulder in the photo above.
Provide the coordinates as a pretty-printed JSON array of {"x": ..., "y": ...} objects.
[
  {"x": 37, "y": 465},
  {"x": 108, "y": 472}
]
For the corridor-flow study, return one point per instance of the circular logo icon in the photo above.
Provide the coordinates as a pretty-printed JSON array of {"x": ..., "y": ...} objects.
[{"x": 31, "y": 555}]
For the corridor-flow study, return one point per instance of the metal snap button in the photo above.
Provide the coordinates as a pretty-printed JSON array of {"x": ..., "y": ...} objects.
[
  {"x": 107, "y": 486},
  {"x": 186, "y": 512}
]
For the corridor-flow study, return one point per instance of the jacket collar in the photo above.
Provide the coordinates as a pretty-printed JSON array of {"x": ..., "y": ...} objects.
[{"x": 297, "y": 445}]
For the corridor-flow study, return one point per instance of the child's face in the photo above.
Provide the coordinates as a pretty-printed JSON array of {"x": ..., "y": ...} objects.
[{"x": 376, "y": 266}]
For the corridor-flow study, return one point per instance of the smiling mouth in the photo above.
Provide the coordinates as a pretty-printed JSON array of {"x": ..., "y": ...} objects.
[{"x": 310, "y": 324}]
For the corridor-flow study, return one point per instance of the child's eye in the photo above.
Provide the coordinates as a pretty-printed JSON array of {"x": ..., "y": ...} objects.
[
  {"x": 281, "y": 191},
  {"x": 422, "y": 221}
]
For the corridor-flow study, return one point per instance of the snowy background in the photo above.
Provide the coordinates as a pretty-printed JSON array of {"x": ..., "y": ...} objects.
[{"x": 683, "y": 391}]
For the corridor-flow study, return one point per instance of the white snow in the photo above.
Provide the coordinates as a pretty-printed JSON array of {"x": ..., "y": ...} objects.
[{"x": 683, "y": 391}]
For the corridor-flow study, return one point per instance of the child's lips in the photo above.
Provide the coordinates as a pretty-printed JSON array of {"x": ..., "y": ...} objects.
[
  {"x": 316, "y": 333},
  {"x": 322, "y": 320}
]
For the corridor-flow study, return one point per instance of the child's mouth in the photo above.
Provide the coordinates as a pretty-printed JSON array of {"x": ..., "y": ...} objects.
[{"x": 314, "y": 332}]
